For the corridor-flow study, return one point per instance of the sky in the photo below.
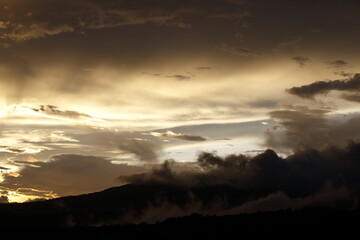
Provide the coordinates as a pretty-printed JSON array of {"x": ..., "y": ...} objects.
[{"x": 93, "y": 90}]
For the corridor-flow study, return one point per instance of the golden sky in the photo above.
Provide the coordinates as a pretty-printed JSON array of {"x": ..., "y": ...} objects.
[{"x": 92, "y": 90}]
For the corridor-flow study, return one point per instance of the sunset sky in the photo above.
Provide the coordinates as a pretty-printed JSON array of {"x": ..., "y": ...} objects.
[{"x": 92, "y": 90}]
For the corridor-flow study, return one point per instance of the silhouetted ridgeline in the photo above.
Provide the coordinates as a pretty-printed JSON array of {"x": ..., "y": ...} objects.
[
  {"x": 123, "y": 205},
  {"x": 171, "y": 212},
  {"x": 284, "y": 224}
]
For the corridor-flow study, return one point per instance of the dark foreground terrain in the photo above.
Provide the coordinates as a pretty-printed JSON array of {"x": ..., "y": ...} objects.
[
  {"x": 138, "y": 211},
  {"x": 281, "y": 224}
]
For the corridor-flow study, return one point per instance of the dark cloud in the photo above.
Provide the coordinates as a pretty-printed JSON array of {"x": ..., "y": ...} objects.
[
  {"x": 177, "y": 77},
  {"x": 329, "y": 196},
  {"x": 68, "y": 175},
  {"x": 302, "y": 128},
  {"x": 340, "y": 67},
  {"x": 205, "y": 68},
  {"x": 4, "y": 169},
  {"x": 181, "y": 136},
  {"x": 23, "y": 20},
  {"x": 41, "y": 18},
  {"x": 144, "y": 150},
  {"x": 52, "y": 110},
  {"x": 323, "y": 87},
  {"x": 239, "y": 51},
  {"x": 337, "y": 63},
  {"x": 11, "y": 149},
  {"x": 180, "y": 77},
  {"x": 4, "y": 199},
  {"x": 152, "y": 74},
  {"x": 307, "y": 173},
  {"x": 351, "y": 97},
  {"x": 301, "y": 61}
]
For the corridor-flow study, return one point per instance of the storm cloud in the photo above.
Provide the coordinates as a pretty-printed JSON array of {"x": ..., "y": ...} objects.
[{"x": 306, "y": 174}]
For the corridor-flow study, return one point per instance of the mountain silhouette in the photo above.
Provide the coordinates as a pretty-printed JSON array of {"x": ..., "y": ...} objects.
[
  {"x": 122, "y": 205},
  {"x": 165, "y": 211}
]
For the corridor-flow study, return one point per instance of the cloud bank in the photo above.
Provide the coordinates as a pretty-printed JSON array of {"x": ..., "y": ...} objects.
[{"x": 307, "y": 177}]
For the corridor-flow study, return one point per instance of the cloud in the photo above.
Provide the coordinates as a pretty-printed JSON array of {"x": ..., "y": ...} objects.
[
  {"x": 23, "y": 141},
  {"x": 329, "y": 196},
  {"x": 301, "y": 128},
  {"x": 47, "y": 142},
  {"x": 13, "y": 150},
  {"x": 205, "y": 68},
  {"x": 21, "y": 32},
  {"x": 23, "y": 20},
  {"x": 301, "y": 61},
  {"x": 36, "y": 136},
  {"x": 68, "y": 175},
  {"x": 180, "y": 77},
  {"x": 24, "y": 149},
  {"x": 239, "y": 51},
  {"x": 338, "y": 63},
  {"x": 289, "y": 44},
  {"x": 41, "y": 18},
  {"x": 124, "y": 142},
  {"x": 351, "y": 97},
  {"x": 304, "y": 174},
  {"x": 4, "y": 169},
  {"x": 4, "y": 199},
  {"x": 339, "y": 67},
  {"x": 52, "y": 110},
  {"x": 170, "y": 134},
  {"x": 323, "y": 87},
  {"x": 144, "y": 150},
  {"x": 177, "y": 77}
]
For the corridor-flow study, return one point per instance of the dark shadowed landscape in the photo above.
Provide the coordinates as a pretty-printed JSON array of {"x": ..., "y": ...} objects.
[{"x": 113, "y": 214}]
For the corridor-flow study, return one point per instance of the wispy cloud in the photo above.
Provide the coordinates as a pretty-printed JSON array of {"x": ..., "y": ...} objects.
[
  {"x": 340, "y": 67},
  {"x": 170, "y": 134},
  {"x": 301, "y": 61},
  {"x": 205, "y": 68},
  {"x": 239, "y": 51},
  {"x": 180, "y": 77},
  {"x": 44, "y": 19},
  {"x": 52, "y": 112}
]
